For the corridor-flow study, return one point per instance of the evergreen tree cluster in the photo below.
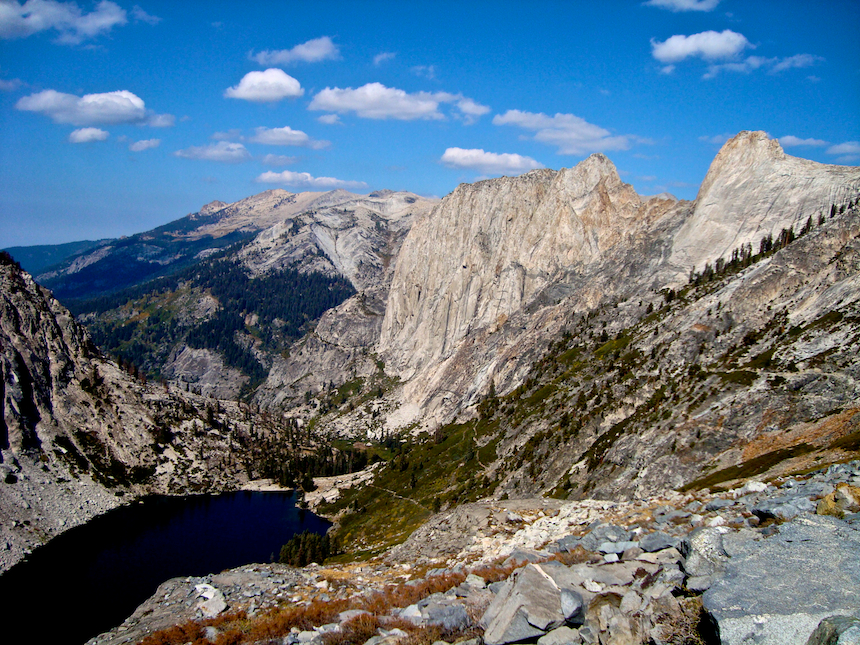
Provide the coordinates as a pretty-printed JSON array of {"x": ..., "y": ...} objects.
[{"x": 306, "y": 547}]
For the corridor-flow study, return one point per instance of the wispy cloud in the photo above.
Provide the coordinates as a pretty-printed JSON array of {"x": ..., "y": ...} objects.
[
  {"x": 424, "y": 71},
  {"x": 571, "y": 134},
  {"x": 146, "y": 144},
  {"x": 11, "y": 85},
  {"x": 223, "y": 152},
  {"x": 312, "y": 51},
  {"x": 141, "y": 16},
  {"x": 717, "y": 139},
  {"x": 773, "y": 65},
  {"x": 382, "y": 57},
  {"x": 279, "y": 160},
  {"x": 684, "y": 5},
  {"x": 489, "y": 162},
  {"x": 87, "y": 135},
  {"x": 73, "y": 25},
  {"x": 265, "y": 87},
  {"x": 329, "y": 119},
  {"x": 849, "y": 151},
  {"x": 109, "y": 108},
  {"x": 286, "y": 136},
  {"x": 306, "y": 180},
  {"x": 790, "y": 141}
]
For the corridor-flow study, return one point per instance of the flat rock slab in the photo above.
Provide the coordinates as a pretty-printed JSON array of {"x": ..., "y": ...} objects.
[{"x": 776, "y": 591}]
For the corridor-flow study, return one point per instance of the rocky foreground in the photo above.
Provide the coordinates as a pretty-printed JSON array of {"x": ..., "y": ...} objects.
[{"x": 770, "y": 563}]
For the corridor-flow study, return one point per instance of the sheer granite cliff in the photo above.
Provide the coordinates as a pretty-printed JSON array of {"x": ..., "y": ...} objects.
[{"x": 498, "y": 267}]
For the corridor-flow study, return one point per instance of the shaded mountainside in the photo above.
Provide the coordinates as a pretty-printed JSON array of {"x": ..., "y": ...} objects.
[
  {"x": 218, "y": 326},
  {"x": 79, "y": 435}
]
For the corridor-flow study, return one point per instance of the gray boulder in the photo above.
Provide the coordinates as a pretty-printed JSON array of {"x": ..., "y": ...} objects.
[
  {"x": 776, "y": 591},
  {"x": 706, "y": 557},
  {"x": 561, "y": 636},
  {"x": 530, "y": 604},
  {"x": 657, "y": 541}
]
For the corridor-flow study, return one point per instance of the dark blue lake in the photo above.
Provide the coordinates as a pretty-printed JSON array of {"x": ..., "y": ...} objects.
[{"x": 92, "y": 577}]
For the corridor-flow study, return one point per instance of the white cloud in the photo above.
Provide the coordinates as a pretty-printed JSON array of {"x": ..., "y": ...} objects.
[
  {"x": 279, "y": 160},
  {"x": 10, "y": 85},
  {"x": 376, "y": 101},
  {"x": 709, "y": 45},
  {"x": 271, "y": 85},
  {"x": 329, "y": 119},
  {"x": 425, "y": 71},
  {"x": 571, "y": 134},
  {"x": 684, "y": 5},
  {"x": 74, "y": 26},
  {"x": 850, "y": 151},
  {"x": 286, "y": 136},
  {"x": 86, "y": 135},
  {"x": 234, "y": 134},
  {"x": 146, "y": 144},
  {"x": 717, "y": 139},
  {"x": 382, "y": 57},
  {"x": 797, "y": 61},
  {"x": 489, "y": 162},
  {"x": 141, "y": 16},
  {"x": 305, "y": 180},
  {"x": 223, "y": 151},
  {"x": 773, "y": 65},
  {"x": 313, "y": 51},
  {"x": 790, "y": 141},
  {"x": 471, "y": 110},
  {"x": 847, "y": 148},
  {"x": 161, "y": 121},
  {"x": 91, "y": 109}
]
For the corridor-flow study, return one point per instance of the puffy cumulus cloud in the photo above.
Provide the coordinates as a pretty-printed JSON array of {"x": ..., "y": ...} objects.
[
  {"x": 489, "y": 162},
  {"x": 263, "y": 87},
  {"x": 146, "y": 144},
  {"x": 91, "y": 109},
  {"x": 570, "y": 133},
  {"x": 286, "y": 136},
  {"x": 313, "y": 51},
  {"x": 791, "y": 141},
  {"x": 684, "y": 5},
  {"x": 223, "y": 151},
  {"x": 279, "y": 160},
  {"x": 74, "y": 26},
  {"x": 86, "y": 135},
  {"x": 306, "y": 180},
  {"x": 709, "y": 45},
  {"x": 376, "y": 101},
  {"x": 382, "y": 57},
  {"x": 141, "y": 16}
]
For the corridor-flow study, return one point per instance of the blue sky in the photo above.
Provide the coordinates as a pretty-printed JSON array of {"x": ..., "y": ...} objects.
[{"x": 117, "y": 117}]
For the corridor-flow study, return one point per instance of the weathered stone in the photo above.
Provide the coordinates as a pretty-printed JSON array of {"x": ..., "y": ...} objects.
[
  {"x": 658, "y": 541},
  {"x": 527, "y": 606},
  {"x": 777, "y": 590},
  {"x": 563, "y": 635},
  {"x": 836, "y": 630}
]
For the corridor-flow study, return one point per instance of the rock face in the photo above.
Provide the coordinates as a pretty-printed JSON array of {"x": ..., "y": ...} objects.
[
  {"x": 776, "y": 591},
  {"x": 521, "y": 255},
  {"x": 754, "y": 189},
  {"x": 78, "y": 436}
]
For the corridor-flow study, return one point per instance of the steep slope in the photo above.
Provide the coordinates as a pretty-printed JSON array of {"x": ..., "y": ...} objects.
[
  {"x": 79, "y": 436},
  {"x": 753, "y": 189},
  {"x": 337, "y": 234},
  {"x": 474, "y": 286}
]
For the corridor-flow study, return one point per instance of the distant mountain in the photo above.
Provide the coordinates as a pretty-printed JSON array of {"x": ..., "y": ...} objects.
[{"x": 35, "y": 259}]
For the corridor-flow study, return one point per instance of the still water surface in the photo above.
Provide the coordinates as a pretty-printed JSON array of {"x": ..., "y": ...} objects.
[{"x": 92, "y": 577}]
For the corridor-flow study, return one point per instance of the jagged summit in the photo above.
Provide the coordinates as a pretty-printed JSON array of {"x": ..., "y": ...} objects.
[{"x": 753, "y": 189}]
